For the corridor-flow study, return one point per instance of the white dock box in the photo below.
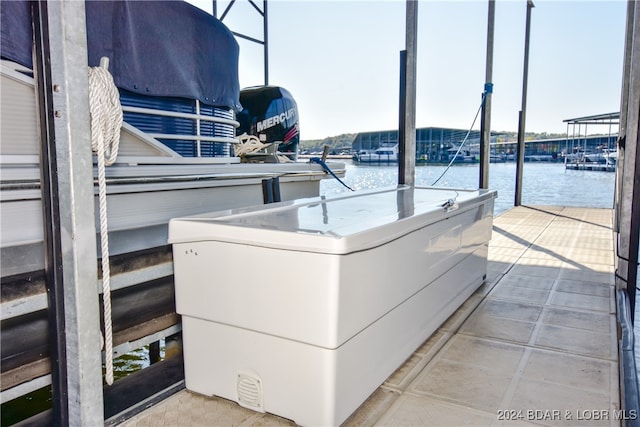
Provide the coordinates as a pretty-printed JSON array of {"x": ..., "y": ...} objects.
[{"x": 303, "y": 308}]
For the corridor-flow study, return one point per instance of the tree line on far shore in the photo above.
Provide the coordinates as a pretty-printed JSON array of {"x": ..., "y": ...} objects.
[{"x": 344, "y": 141}]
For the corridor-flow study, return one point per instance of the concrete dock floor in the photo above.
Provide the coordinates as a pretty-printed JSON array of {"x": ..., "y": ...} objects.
[{"x": 535, "y": 345}]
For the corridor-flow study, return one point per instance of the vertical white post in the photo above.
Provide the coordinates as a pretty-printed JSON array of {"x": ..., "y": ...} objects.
[{"x": 198, "y": 141}]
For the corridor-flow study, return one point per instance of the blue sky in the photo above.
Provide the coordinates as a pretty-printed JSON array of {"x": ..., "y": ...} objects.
[{"x": 340, "y": 61}]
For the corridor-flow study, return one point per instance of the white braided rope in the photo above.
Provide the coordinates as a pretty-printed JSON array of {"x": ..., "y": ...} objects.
[
  {"x": 106, "y": 120},
  {"x": 248, "y": 144}
]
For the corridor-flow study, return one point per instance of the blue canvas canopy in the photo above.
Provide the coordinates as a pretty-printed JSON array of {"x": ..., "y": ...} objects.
[{"x": 157, "y": 48}]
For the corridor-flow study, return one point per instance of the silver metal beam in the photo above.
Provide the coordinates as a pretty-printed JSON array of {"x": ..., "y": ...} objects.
[
  {"x": 407, "y": 134},
  {"x": 623, "y": 109},
  {"x": 265, "y": 37},
  {"x": 523, "y": 111},
  {"x": 71, "y": 154},
  {"x": 485, "y": 120},
  {"x": 628, "y": 195}
]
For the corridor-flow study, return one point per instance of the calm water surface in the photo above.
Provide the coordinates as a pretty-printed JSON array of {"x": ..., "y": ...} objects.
[{"x": 543, "y": 183}]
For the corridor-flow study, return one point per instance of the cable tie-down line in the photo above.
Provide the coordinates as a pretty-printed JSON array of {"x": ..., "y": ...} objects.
[
  {"x": 487, "y": 90},
  {"x": 327, "y": 169}
]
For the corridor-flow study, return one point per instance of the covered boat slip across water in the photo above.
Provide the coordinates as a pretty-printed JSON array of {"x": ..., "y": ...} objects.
[
  {"x": 368, "y": 274},
  {"x": 535, "y": 345}
]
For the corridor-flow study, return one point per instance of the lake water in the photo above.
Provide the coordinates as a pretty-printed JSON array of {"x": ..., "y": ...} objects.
[{"x": 542, "y": 183}]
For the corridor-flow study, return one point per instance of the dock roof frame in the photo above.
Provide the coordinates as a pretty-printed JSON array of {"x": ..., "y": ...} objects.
[
  {"x": 265, "y": 29},
  {"x": 596, "y": 119}
]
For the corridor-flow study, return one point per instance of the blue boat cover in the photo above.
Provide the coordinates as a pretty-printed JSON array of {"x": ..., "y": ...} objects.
[
  {"x": 157, "y": 48},
  {"x": 15, "y": 32}
]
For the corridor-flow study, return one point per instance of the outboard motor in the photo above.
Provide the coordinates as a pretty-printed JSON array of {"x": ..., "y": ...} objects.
[{"x": 271, "y": 114}]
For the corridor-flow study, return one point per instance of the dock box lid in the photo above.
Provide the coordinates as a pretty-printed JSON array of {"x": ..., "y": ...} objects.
[{"x": 338, "y": 224}]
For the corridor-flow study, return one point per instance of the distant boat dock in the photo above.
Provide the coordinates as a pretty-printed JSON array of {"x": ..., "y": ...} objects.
[{"x": 581, "y": 166}]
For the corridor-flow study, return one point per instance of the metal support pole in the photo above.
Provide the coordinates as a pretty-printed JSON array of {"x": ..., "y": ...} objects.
[
  {"x": 407, "y": 122},
  {"x": 485, "y": 119},
  {"x": 523, "y": 111},
  {"x": 51, "y": 214},
  {"x": 628, "y": 202},
  {"x": 68, "y": 209},
  {"x": 519, "y": 160},
  {"x": 154, "y": 352},
  {"x": 624, "y": 101},
  {"x": 402, "y": 116},
  {"x": 275, "y": 182},
  {"x": 267, "y": 191},
  {"x": 265, "y": 38}
]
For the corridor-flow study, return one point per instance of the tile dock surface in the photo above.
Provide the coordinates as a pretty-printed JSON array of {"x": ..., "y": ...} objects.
[{"x": 535, "y": 345}]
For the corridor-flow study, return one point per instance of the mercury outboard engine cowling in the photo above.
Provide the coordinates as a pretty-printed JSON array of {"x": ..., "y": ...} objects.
[{"x": 271, "y": 114}]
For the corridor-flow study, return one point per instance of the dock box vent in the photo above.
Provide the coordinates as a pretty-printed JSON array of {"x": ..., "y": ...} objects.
[{"x": 250, "y": 392}]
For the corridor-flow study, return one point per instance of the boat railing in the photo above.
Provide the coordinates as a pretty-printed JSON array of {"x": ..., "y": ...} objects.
[
  {"x": 184, "y": 126},
  {"x": 199, "y": 136}
]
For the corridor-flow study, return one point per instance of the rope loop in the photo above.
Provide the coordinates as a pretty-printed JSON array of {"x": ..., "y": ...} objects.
[
  {"x": 106, "y": 120},
  {"x": 106, "y": 113}
]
